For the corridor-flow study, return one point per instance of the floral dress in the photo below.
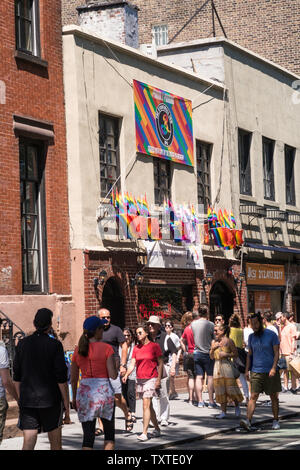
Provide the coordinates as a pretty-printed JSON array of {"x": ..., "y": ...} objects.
[{"x": 225, "y": 385}]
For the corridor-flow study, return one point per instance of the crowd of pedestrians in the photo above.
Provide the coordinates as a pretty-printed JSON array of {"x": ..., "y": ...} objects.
[{"x": 111, "y": 367}]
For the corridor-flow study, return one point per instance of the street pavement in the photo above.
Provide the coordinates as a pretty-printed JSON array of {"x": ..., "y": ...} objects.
[{"x": 186, "y": 422}]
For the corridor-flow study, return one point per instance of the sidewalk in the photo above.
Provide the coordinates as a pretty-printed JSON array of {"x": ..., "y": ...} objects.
[{"x": 186, "y": 422}]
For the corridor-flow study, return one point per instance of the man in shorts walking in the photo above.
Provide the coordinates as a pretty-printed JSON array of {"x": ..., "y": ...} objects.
[
  {"x": 41, "y": 378},
  {"x": 203, "y": 331},
  {"x": 262, "y": 361},
  {"x": 113, "y": 335},
  {"x": 6, "y": 383}
]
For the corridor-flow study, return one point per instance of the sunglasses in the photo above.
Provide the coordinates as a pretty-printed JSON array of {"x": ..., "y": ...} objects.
[
  {"x": 218, "y": 319},
  {"x": 168, "y": 326},
  {"x": 108, "y": 316},
  {"x": 139, "y": 333}
]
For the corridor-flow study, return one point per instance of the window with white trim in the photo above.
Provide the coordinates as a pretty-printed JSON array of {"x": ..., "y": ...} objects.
[
  {"x": 160, "y": 33},
  {"x": 28, "y": 26}
]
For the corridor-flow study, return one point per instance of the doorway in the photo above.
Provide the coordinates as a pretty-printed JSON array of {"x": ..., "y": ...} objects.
[
  {"x": 113, "y": 300},
  {"x": 221, "y": 301},
  {"x": 296, "y": 302}
]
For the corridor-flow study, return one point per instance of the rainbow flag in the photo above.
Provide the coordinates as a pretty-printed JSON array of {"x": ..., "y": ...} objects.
[
  {"x": 239, "y": 237},
  {"x": 163, "y": 124},
  {"x": 227, "y": 221},
  {"x": 232, "y": 219},
  {"x": 221, "y": 218}
]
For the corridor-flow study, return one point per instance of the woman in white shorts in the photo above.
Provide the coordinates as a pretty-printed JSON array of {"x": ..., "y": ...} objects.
[{"x": 148, "y": 360}]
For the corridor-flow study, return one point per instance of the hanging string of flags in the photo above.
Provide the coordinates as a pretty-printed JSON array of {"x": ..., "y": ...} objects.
[
  {"x": 222, "y": 227},
  {"x": 184, "y": 224}
]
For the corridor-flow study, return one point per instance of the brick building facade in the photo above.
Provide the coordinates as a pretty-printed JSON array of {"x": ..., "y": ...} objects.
[
  {"x": 34, "y": 259},
  {"x": 267, "y": 27}
]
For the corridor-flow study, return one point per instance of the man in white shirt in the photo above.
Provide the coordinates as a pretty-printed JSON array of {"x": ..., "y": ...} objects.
[
  {"x": 5, "y": 383},
  {"x": 267, "y": 320}
]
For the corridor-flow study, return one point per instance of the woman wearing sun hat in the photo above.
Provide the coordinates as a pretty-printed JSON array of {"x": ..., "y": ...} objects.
[{"x": 94, "y": 396}]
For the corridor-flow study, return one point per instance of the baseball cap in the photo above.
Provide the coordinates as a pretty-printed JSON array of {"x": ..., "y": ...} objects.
[
  {"x": 154, "y": 319},
  {"x": 93, "y": 322},
  {"x": 43, "y": 319}
]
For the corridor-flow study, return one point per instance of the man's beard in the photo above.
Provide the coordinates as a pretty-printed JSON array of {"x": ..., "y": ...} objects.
[{"x": 260, "y": 331}]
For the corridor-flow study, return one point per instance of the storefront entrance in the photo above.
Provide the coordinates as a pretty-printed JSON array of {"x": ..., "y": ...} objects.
[
  {"x": 113, "y": 300},
  {"x": 169, "y": 303},
  {"x": 296, "y": 302},
  {"x": 221, "y": 301}
]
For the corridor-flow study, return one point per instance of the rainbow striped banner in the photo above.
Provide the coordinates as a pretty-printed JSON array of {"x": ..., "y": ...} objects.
[{"x": 163, "y": 124}]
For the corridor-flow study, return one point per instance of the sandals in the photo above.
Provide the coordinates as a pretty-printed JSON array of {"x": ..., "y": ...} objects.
[
  {"x": 129, "y": 425},
  {"x": 133, "y": 418},
  {"x": 98, "y": 432}
]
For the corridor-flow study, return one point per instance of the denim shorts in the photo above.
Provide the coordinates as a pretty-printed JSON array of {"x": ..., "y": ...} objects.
[{"x": 203, "y": 364}]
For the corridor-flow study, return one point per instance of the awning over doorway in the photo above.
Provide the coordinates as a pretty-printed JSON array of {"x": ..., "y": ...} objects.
[{"x": 281, "y": 249}]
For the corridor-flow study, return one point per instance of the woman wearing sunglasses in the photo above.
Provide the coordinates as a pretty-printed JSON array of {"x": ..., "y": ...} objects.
[
  {"x": 129, "y": 388},
  {"x": 174, "y": 365},
  {"x": 148, "y": 361}
]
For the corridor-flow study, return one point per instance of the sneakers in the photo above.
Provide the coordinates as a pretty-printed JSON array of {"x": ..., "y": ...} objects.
[
  {"x": 294, "y": 392},
  {"x": 156, "y": 433},
  {"x": 212, "y": 405},
  {"x": 164, "y": 423},
  {"x": 142, "y": 437},
  {"x": 284, "y": 390},
  {"x": 173, "y": 396},
  {"x": 245, "y": 424},
  {"x": 201, "y": 404},
  {"x": 222, "y": 415},
  {"x": 275, "y": 425}
]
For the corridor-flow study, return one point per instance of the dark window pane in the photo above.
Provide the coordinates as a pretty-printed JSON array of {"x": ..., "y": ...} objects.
[
  {"x": 109, "y": 153},
  {"x": 162, "y": 180},
  {"x": 268, "y": 151},
  {"x": 289, "y": 175},
  {"x": 27, "y": 26},
  {"x": 32, "y": 215},
  {"x": 203, "y": 152},
  {"x": 244, "y": 142}
]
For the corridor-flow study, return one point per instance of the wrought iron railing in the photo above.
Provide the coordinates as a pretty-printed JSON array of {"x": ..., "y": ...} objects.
[{"x": 10, "y": 335}]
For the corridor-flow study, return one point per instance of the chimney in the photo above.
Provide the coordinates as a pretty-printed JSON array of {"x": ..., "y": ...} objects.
[{"x": 116, "y": 20}]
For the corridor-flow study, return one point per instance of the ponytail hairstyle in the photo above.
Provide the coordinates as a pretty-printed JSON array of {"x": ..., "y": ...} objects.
[
  {"x": 90, "y": 326},
  {"x": 83, "y": 344},
  {"x": 226, "y": 329}
]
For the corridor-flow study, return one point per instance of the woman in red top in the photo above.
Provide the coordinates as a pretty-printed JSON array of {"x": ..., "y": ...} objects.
[
  {"x": 148, "y": 360},
  {"x": 188, "y": 344},
  {"x": 94, "y": 396}
]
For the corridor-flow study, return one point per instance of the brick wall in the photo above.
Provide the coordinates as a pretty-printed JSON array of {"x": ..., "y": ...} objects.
[
  {"x": 35, "y": 91},
  {"x": 123, "y": 266},
  {"x": 267, "y": 27}
]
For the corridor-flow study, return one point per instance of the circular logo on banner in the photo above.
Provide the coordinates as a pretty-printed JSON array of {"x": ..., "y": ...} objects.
[{"x": 164, "y": 124}]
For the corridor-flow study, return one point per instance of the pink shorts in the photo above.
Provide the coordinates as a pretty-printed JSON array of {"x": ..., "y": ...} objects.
[{"x": 145, "y": 388}]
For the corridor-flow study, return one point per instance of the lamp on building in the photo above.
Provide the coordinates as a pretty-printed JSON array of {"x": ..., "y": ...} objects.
[
  {"x": 138, "y": 279},
  {"x": 207, "y": 280},
  {"x": 239, "y": 281},
  {"x": 100, "y": 279}
]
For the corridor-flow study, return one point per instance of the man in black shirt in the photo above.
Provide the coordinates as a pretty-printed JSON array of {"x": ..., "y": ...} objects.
[
  {"x": 167, "y": 347},
  {"x": 40, "y": 375}
]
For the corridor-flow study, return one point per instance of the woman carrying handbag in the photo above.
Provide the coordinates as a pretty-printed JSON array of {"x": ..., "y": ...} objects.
[{"x": 223, "y": 350}]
